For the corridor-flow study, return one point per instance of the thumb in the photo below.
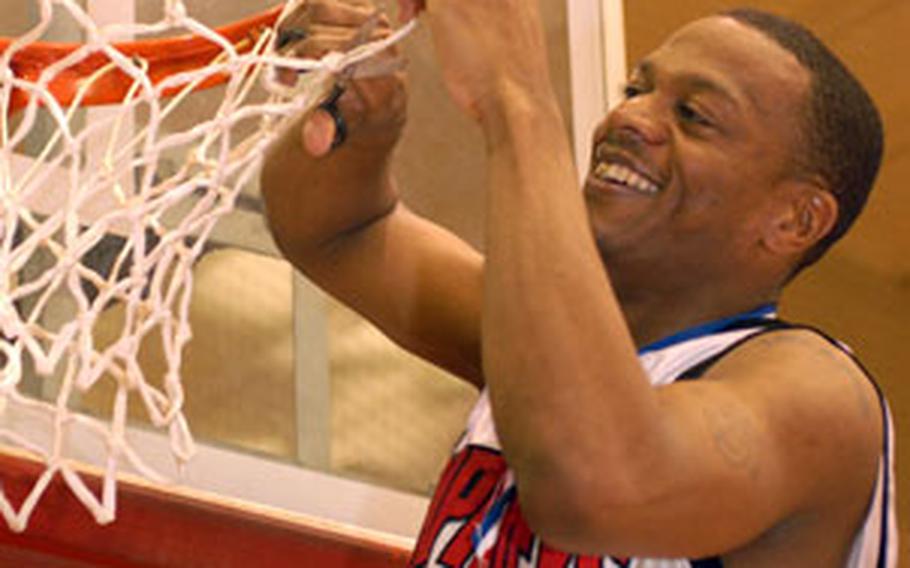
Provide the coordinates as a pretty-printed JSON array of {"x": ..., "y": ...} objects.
[{"x": 319, "y": 133}]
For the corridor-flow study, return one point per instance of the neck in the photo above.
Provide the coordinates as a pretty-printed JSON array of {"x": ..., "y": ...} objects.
[{"x": 654, "y": 315}]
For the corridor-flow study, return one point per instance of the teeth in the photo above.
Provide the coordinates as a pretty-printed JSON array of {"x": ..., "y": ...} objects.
[
  {"x": 638, "y": 182},
  {"x": 621, "y": 174}
]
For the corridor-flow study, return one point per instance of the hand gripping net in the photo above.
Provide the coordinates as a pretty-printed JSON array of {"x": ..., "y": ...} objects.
[{"x": 151, "y": 276}]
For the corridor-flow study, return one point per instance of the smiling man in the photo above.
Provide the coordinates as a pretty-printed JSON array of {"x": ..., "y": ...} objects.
[{"x": 641, "y": 399}]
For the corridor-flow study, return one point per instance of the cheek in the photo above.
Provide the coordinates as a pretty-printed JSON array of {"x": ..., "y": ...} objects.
[
  {"x": 720, "y": 216},
  {"x": 696, "y": 199},
  {"x": 713, "y": 186}
]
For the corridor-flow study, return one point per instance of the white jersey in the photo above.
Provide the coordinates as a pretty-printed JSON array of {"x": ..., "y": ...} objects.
[{"x": 474, "y": 518}]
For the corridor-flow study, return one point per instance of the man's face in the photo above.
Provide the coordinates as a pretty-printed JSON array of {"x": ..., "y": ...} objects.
[{"x": 684, "y": 171}]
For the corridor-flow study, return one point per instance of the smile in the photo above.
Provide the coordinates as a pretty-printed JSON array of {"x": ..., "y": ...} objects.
[{"x": 626, "y": 176}]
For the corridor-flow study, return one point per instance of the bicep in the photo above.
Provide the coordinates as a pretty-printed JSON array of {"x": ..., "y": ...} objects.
[
  {"x": 745, "y": 448},
  {"x": 417, "y": 282}
]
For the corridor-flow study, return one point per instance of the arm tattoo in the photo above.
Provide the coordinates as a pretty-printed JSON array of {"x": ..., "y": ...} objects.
[{"x": 732, "y": 434}]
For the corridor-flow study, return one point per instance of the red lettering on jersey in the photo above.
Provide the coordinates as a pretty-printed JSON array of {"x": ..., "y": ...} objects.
[
  {"x": 465, "y": 489},
  {"x": 516, "y": 541}
]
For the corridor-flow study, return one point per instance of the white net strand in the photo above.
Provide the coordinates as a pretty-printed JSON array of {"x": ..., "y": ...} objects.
[{"x": 58, "y": 208}]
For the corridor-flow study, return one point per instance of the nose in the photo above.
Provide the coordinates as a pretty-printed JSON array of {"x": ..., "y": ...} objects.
[{"x": 639, "y": 120}]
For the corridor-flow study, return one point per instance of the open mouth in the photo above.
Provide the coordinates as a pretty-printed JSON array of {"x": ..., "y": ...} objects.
[
  {"x": 616, "y": 173},
  {"x": 618, "y": 170}
]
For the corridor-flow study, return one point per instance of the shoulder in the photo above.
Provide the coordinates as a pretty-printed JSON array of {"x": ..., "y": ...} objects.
[
  {"x": 795, "y": 358},
  {"x": 816, "y": 399}
]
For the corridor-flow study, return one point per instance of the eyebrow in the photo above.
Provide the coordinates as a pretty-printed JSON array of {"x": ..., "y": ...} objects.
[{"x": 695, "y": 81}]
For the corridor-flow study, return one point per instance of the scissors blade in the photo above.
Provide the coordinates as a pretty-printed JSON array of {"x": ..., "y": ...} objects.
[
  {"x": 365, "y": 31},
  {"x": 361, "y": 37}
]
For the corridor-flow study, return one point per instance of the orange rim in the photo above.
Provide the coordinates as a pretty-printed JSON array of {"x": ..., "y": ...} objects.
[{"x": 165, "y": 57}]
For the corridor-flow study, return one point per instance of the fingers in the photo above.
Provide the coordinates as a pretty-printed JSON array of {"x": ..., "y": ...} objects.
[
  {"x": 321, "y": 26},
  {"x": 408, "y": 9},
  {"x": 326, "y": 128},
  {"x": 319, "y": 133},
  {"x": 328, "y": 13},
  {"x": 374, "y": 98},
  {"x": 320, "y": 39},
  {"x": 370, "y": 4},
  {"x": 371, "y": 111}
]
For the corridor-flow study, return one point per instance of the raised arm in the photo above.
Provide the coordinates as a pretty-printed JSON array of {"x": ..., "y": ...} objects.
[
  {"x": 605, "y": 463},
  {"x": 336, "y": 214}
]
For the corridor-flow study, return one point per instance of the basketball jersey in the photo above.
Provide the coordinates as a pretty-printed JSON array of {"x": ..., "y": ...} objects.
[{"x": 475, "y": 519}]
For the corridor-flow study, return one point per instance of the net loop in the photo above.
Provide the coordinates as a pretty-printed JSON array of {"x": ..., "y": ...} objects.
[{"x": 60, "y": 205}]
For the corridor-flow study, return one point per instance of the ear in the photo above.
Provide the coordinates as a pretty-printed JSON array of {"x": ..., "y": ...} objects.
[{"x": 807, "y": 211}]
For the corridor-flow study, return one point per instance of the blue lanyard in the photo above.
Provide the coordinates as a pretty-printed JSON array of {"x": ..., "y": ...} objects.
[{"x": 762, "y": 312}]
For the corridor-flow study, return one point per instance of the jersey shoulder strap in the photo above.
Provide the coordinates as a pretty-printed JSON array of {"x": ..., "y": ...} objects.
[
  {"x": 878, "y": 546},
  {"x": 761, "y": 325}
]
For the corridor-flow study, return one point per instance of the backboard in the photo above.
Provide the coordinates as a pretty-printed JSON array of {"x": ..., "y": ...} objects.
[{"x": 308, "y": 420}]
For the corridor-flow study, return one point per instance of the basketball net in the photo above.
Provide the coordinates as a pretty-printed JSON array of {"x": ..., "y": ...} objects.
[{"x": 125, "y": 193}]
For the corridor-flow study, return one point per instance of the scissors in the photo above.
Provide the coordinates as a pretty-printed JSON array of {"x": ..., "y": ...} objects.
[{"x": 373, "y": 66}]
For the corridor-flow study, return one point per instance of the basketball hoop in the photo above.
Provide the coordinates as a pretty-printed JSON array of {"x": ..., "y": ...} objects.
[{"x": 125, "y": 194}]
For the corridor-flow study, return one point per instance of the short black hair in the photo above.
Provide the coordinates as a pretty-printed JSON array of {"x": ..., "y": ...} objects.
[{"x": 842, "y": 130}]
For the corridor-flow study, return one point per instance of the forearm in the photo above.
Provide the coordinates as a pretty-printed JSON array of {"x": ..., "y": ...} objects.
[
  {"x": 311, "y": 202},
  {"x": 567, "y": 390}
]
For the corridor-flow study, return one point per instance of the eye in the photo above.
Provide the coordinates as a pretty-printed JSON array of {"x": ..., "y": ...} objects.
[
  {"x": 631, "y": 90},
  {"x": 688, "y": 114}
]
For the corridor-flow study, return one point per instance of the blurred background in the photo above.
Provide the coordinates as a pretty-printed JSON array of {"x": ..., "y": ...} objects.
[
  {"x": 279, "y": 370},
  {"x": 860, "y": 292}
]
